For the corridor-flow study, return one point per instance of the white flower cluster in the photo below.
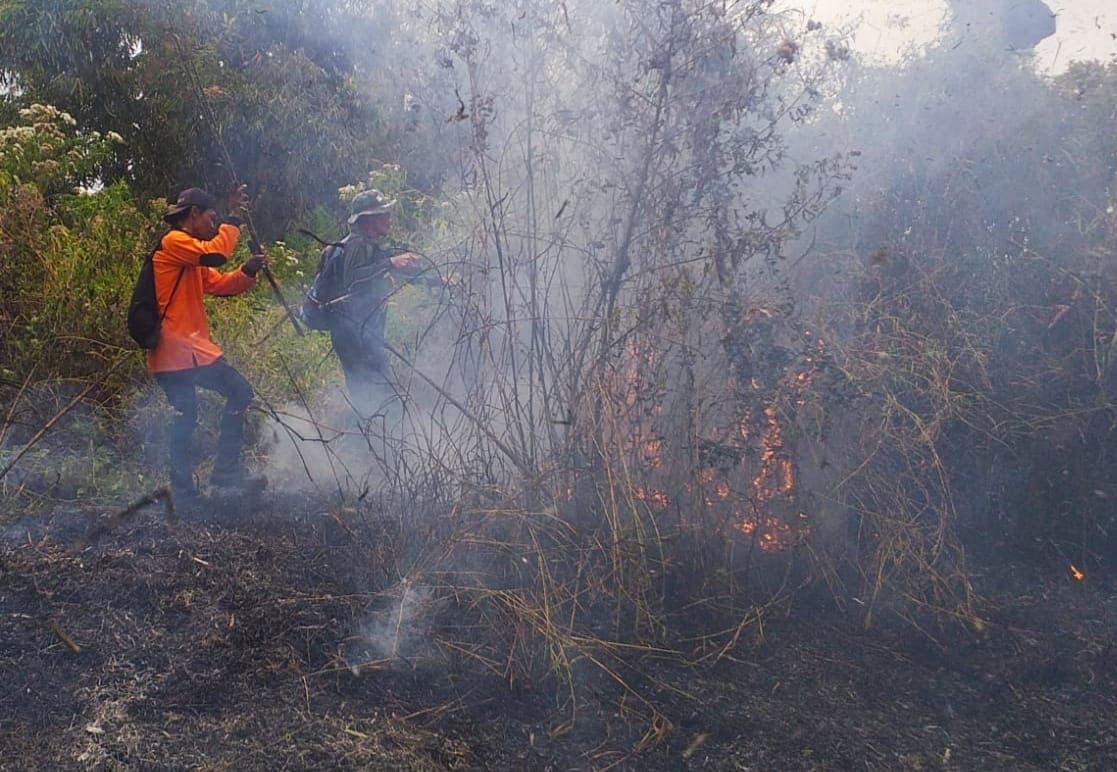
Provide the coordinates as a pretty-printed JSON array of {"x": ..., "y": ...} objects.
[
  {"x": 45, "y": 118},
  {"x": 39, "y": 113},
  {"x": 16, "y": 134}
]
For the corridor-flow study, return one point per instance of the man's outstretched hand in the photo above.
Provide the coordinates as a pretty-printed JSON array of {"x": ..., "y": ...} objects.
[
  {"x": 405, "y": 260},
  {"x": 253, "y": 264}
]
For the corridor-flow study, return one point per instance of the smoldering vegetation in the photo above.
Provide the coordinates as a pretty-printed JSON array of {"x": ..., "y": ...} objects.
[
  {"x": 739, "y": 326},
  {"x": 712, "y": 357}
]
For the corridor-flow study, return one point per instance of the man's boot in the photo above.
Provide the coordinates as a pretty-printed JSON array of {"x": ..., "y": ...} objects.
[
  {"x": 229, "y": 470},
  {"x": 184, "y": 491}
]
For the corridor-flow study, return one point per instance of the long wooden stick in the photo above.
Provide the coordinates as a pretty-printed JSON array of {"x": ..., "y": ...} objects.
[
  {"x": 70, "y": 644},
  {"x": 109, "y": 524},
  {"x": 282, "y": 300},
  {"x": 255, "y": 248},
  {"x": 253, "y": 245}
]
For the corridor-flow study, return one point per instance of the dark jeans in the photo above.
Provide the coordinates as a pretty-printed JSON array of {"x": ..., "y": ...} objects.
[
  {"x": 180, "y": 387},
  {"x": 368, "y": 375}
]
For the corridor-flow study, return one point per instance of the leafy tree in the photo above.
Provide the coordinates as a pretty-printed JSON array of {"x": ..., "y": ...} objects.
[{"x": 204, "y": 92}]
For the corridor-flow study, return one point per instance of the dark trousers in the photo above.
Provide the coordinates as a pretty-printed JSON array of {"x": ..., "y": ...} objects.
[
  {"x": 368, "y": 375},
  {"x": 180, "y": 387}
]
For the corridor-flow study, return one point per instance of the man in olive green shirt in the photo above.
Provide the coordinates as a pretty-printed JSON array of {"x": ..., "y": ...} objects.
[{"x": 364, "y": 277}]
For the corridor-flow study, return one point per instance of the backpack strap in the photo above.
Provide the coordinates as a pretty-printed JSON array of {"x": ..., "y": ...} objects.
[
  {"x": 174, "y": 289},
  {"x": 326, "y": 275},
  {"x": 328, "y": 253}
]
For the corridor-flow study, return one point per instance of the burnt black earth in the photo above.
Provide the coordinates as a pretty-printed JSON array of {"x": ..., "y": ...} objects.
[{"x": 234, "y": 639}]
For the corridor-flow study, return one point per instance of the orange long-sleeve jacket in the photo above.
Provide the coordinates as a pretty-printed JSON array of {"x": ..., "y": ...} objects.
[{"x": 184, "y": 340}]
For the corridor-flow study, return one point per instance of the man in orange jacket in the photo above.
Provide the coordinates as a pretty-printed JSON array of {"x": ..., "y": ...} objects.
[{"x": 186, "y": 357}]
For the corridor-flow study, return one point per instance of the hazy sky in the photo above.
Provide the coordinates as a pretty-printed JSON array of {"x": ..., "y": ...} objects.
[{"x": 1084, "y": 28}]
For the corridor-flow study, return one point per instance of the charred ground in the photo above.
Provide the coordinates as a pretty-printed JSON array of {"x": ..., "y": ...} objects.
[{"x": 235, "y": 640}]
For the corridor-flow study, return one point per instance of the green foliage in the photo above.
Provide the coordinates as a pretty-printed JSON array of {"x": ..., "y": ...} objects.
[
  {"x": 71, "y": 252},
  {"x": 413, "y": 209},
  {"x": 44, "y": 151},
  {"x": 261, "y": 90}
]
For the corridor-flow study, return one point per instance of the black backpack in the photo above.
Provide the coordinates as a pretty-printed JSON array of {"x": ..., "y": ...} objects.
[
  {"x": 315, "y": 310},
  {"x": 144, "y": 319}
]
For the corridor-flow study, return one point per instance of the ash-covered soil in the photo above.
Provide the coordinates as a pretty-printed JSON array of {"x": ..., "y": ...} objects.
[{"x": 242, "y": 641}]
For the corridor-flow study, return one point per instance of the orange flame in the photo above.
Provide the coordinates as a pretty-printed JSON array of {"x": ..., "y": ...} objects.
[
  {"x": 652, "y": 455},
  {"x": 776, "y": 474},
  {"x": 764, "y": 459},
  {"x": 652, "y": 497}
]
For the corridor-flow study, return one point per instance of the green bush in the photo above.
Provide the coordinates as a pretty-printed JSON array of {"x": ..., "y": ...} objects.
[{"x": 71, "y": 254}]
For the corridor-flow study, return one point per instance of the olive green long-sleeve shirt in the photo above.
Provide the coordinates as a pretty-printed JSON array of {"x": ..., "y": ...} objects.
[{"x": 367, "y": 279}]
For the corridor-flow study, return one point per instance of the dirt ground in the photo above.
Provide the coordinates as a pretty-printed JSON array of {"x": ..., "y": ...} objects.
[{"x": 225, "y": 641}]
